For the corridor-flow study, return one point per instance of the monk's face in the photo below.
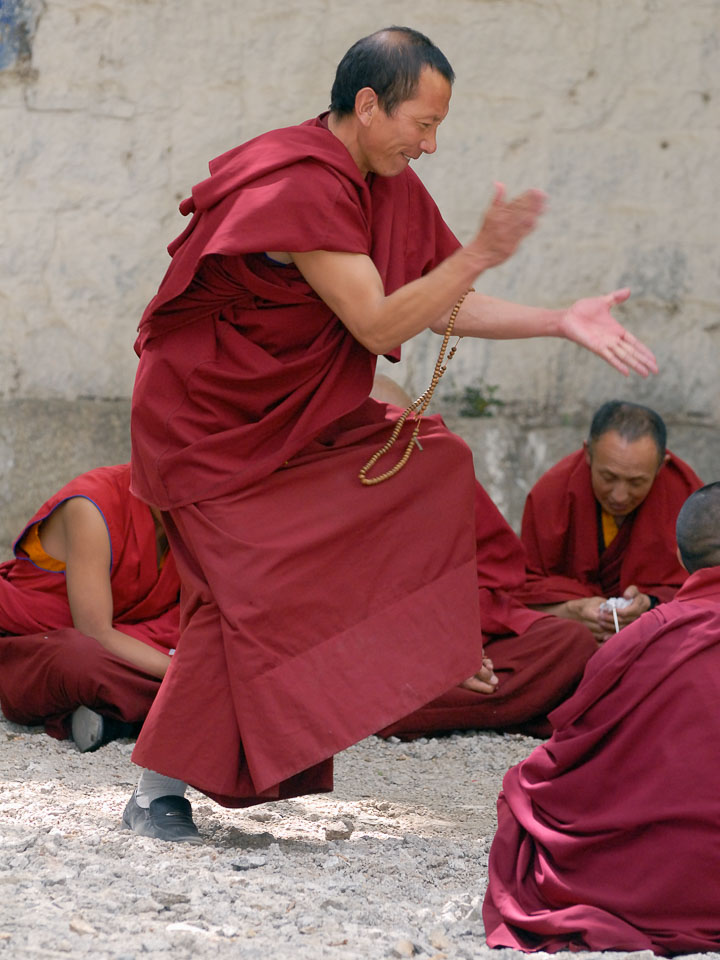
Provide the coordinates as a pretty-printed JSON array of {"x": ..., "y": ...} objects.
[
  {"x": 622, "y": 471},
  {"x": 388, "y": 142}
]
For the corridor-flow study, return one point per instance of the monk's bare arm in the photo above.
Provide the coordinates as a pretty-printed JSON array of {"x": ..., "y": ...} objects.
[
  {"x": 78, "y": 536},
  {"x": 351, "y": 286}
]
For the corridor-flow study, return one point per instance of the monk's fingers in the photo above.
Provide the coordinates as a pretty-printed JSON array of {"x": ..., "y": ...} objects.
[
  {"x": 640, "y": 352},
  {"x": 626, "y": 353},
  {"x": 617, "y": 296}
]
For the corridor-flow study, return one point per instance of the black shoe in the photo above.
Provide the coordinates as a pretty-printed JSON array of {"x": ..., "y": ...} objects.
[
  {"x": 91, "y": 730},
  {"x": 167, "y": 818}
]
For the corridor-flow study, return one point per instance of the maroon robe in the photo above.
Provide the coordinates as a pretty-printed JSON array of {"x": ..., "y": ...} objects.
[
  {"x": 47, "y": 668},
  {"x": 314, "y": 610},
  {"x": 560, "y": 534},
  {"x": 538, "y": 659},
  {"x": 608, "y": 834}
]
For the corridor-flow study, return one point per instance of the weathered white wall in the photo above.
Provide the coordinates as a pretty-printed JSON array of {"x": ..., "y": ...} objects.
[{"x": 611, "y": 106}]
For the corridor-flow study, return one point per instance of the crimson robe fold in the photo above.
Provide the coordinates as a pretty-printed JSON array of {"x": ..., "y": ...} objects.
[
  {"x": 47, "y": 668},
  {"x": 538, "y": 659},
  {"x": 560, "y": 535},
  {"x": 314, "y": 610},
  {"x": 608, "y": 834}
]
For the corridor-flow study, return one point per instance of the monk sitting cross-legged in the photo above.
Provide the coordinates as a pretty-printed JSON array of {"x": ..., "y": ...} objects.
[
  {"x": 88, "y": 612},
  {"x": 600, "y": 523},
  {"x": 608, "y": 834}
]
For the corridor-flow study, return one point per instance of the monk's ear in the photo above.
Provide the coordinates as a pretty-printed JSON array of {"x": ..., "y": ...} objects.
[
  {"x": 664, "y": 460},
  {"x": 366, "y": 105},
  {"x": 586, "y": 448},
  {"x": 679, "y": 556}
]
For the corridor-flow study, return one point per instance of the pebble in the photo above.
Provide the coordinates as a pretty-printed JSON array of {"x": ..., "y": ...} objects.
[
  {"x": 403, "y": 948},
  {"x": 80, "y": 925},
  {"x": 338, "y": 830}
]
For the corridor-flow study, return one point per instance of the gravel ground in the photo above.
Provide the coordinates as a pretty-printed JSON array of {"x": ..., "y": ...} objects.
[{"x": 392, "y": 864}]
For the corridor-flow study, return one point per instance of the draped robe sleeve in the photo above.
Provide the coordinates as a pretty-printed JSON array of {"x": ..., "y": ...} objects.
[{"x": 285, "y": 367}]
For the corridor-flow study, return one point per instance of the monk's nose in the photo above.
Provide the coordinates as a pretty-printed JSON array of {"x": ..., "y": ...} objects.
[
  {"x": 429, "y": 143},
  {"x": 620, "y": 495}
]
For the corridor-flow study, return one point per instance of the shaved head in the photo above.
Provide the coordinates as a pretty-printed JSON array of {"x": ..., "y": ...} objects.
[
  {"x": 389, "y": 61},
  {"x": 698, "y": 529}
]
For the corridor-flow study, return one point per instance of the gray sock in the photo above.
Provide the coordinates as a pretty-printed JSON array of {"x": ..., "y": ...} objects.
[{"x": 153, "y": 785}]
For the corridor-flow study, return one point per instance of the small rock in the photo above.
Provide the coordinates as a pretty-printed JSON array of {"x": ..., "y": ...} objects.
[
  {"x": 249, "y": 863},
  {"x": 148, "y": 905},
  {"x": 80, "y": 925},
  {"x": 403, "y": 948},
  {"x": 182, "y": 927},
  {"x": 168, "y": 899},
  {"x": 263, "y": 816},
  {"x": 338, "y": 830},
  {"x": 439, "y": 940}
]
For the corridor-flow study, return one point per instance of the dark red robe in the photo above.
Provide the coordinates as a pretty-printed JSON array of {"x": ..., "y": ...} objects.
[
  {"x": 560, "y": 535},
  {"x": 608, "y": 834},
  {"x": 47, "y": 668},
  {"x": 315, "y": 610},
  {"x": 538, "y": 659}
]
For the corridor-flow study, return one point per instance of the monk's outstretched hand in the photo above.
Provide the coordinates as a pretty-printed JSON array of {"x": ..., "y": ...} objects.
[
  {"x": 506, "y": 224},
  {"x": 589, "y": 323}
]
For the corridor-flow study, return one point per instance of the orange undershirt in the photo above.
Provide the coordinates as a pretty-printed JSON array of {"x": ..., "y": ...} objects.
[
  {"x": 609, "y": 527},
  {"x": 33, "y": 549}
]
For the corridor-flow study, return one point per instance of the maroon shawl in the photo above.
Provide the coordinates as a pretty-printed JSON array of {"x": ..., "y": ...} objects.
[
  {"x": 560, "y": 535},
  {"x": 608, "y": 834}
]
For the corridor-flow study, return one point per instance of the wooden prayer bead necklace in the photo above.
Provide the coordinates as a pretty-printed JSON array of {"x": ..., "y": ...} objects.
[{"x": 422, "y": 403}]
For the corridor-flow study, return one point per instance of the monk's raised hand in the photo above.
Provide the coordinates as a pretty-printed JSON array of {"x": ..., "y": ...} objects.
[
  {"x": 506, "y": 224},
  {"x": 590, "y": 323}
]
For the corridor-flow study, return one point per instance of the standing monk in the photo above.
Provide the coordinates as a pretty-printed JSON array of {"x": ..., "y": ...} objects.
[{"x": 316, "y": 609}]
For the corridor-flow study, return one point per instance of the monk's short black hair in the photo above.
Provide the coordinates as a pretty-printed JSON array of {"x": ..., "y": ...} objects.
[
  {"x": 631, "y": 421},
  {"x": 698, "y": 529},
  {"x": 389, "y": 61}
]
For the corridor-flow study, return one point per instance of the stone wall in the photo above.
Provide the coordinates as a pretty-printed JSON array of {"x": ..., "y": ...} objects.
[{"x": 110, "y": 111}]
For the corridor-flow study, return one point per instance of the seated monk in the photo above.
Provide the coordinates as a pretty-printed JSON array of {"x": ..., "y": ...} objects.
[
  {"x": 607, "y": 834},
  {"x": 88, "y": 612},
  {"x": 600, "y": 523},
  {"x": 534, "y": 661}
]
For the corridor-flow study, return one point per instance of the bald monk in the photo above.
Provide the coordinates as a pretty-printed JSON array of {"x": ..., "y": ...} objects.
[
  {"x": 601, "y": 522},
  {"x": 317, "y": 608},
  {"x": 608, "y": 834},
  {"x": 88, "y": 612}
]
